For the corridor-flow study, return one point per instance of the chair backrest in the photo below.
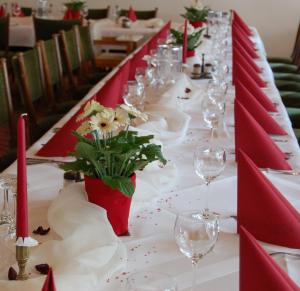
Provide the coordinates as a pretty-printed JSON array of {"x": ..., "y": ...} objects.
[
  {"x": 27, "y": 11},
  {"x": 6, "y": 105},
  {"x": 4, "y": 33},
  {"x": 29, "y": 76},
  {"x": 83, "y": 35},
  {"x": 45, "y": 28},
  {"x": 141, "y": 14},
  {"x": 98, "y": 13}
]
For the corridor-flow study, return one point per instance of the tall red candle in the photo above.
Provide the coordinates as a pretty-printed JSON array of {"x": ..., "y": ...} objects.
[
  {"x": 184, "y": 45},
  {"x": 22, "y": 207}
]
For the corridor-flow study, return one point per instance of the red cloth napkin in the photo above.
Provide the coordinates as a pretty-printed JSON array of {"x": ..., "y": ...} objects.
[
  {"x": 245, "y": 60},
  {"x": 262, "y": 209},
  {"x": 241, "y": 23},
  {"x": 257, "y": 110},
  {"x": 248, "y": 82},
  {"x": 68, "y": 14},
  {"x": 184, "y": 44},
  {"x": 239, "y": 34},
  {"x": 255, "y": 142},
  {"x": 258, "y": 271},
  {"x": 49, "y": 284},
  {"x": 63, "y": 142},
  {"x": 250, "y": 71},
  {"x": 2, "y": 11},
  {"x": 131, "y": 14}
]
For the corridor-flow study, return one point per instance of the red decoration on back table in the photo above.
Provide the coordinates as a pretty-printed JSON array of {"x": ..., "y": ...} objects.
[{"x": 131, "y": 14}]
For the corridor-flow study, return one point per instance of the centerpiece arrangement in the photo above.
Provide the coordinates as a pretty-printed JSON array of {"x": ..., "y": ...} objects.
[
  {"x": 193, "y": 38},
  {"x": 108, "y": 153},
  {"x": 74, "y": 9},
  {"x": 196, "y": 14}
]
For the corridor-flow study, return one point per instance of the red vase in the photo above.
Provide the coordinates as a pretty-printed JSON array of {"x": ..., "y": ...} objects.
[
  {"x": 76, "y": 14},
  {"x": 197, "y": 24},
  {"x": 117, "y": 205},
  {"x": 191, "y": 53}
]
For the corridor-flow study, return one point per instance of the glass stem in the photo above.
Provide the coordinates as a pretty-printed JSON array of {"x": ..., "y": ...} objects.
[
  {"x": 194, "y": 282},
  {"x": 206, "y": 206},
  {"x": 5, "y": 209}
]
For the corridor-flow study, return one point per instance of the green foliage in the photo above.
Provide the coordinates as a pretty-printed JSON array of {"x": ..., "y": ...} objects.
[
  {"x": 75, "y": 5},
  {"x": 114, "y": 159},
  {"x": 193, "y": 40},
  {"x": 194, "y": 14}
]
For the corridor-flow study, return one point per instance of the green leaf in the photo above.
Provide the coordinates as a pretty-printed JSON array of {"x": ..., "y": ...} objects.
[
  {"x": 124, "y": 184},
  {"x": 153, "y": 152}
]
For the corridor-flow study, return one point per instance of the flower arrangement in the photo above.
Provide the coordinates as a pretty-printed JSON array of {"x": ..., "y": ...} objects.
[
  {"x": 197, "y": 12},
  {"x": 75, "y": 5},
  {"x": 193, "y": 36},
  {"x": 108, "y": 150}
]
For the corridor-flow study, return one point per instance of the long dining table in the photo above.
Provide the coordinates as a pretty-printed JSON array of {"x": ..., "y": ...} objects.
[{"x": 81, "y": 246}]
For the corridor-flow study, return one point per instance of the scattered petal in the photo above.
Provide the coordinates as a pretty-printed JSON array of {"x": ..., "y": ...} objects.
[
  {"x": 41, "y": 231},
  {"x": 42, "y": 268},
  {"x": 12, "y": 274}
]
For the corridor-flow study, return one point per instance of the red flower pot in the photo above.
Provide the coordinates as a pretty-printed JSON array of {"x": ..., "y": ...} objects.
[
  {"x": 117, "y": 205},
  {"x": 197, "y": 23},
  {"x": 190, "y": 53},
  {"x": 76, "y": 14}
]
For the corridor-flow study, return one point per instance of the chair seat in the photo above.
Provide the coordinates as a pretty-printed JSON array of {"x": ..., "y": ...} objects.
[
  {"x": 284, "y": 85},
  {"x": 294, "y": 114},
  {"x": 280, "y": 60},
  {"x": 7, "y": 159},
  {"x": 284, "y": 68},
  {"x": 65, "y": 106},
  {"x": 287, "y": 76},
  {"x": 81, "y": 91},
  {"x": 45, "y": 123},
  {"x": 97, "y": 75}
]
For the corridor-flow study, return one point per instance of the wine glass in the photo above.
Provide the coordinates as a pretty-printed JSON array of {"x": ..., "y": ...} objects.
[
  {"x": 150, "y": 281},
  {"x": 213, "y": 108},
  {"x": 209, "y": 163},
  {"x": 134, "y": 95},
  {"x": 196, "y": 235},
  {"x": 140, "y": 74}
]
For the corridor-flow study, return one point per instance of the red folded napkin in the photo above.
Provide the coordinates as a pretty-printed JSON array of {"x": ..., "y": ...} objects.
[
  {"x": 240, "y": 22},
  {"x": 245, "y": 60},
  {"x": 243, "y": 76},
  {"x": 2, "y": 11},
  {"x": 63, "y": 142},
  {"x": 184, "y": 44},
  {"x": 257, "y": 110},
  {"x": 258, "y": 271},
  {"x": 238, "y": 33},
  {"x": 68, "y": 14},
  {"x": 49, "y": 284},
  {"x": 255, "y": 142},
  {"x": 250, "y": 71},
  {"x": 131, "y": 14},
  {"x": 262, "y": 209}
]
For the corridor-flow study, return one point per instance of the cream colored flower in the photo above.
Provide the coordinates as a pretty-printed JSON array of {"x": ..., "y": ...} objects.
[
  {"x": 190, "y": 29},
  {"x": 134, "y": 112},
  {"x": 92, "y": 107},
  {"x": 84, "y": 128},
  {"x": 102, "y": 123},
  {"x": 198, "y": 5},
  {"x": 121, "y": 117}
]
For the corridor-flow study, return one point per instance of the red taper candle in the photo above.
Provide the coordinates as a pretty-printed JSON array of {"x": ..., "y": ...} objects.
[
  {"x": 184, "y": 45},
  {"x": 22, "y": 207}
]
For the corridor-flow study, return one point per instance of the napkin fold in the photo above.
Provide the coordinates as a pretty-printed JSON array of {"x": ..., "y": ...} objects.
[
  {"x": 255, "y": 142},
  {"x": 241, "y": 23},
  {"x": 237, "y": 31},
  {"x": 258, "y": 271},
  {"x": 262, "y": 209},
  {"x": 243, "y": 76},
  {"x": 245, "y": 60},
  {"x": 131, "y": 14},
  {"x": 250, "y": 71},
  {"x": 257, "y": 110},
  {"x": 49, "y": 284}
]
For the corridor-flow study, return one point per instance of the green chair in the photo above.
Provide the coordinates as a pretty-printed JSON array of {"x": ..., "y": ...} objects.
[
  {"x": 290, "y": 98},
  {"x": 287, "y": 77},
  {"x": 88, "y": 59},
  {"x": 72, "y": 64},
  {"x": 28, "y": 74},
  {"x": 45, "y": 28},
  {"x": 7, "y": 118},
  {"x": 297, "y": 134},
  {"x": 98, "y": 13},
  {"x": 141, "y": 14},
  {"x": 49, "y": 57},
  {"x": 284, "y": 85},
  {"x": 4, "y": 36},
  {"x": 294, "y": 114},
  {"x": 27, "y": 11}
]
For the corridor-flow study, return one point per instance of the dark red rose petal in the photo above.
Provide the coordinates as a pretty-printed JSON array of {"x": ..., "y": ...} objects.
[
  {"x": 12, "y": 274},
  {"x": 41, "y": 231},
  {"x": 187, "y": 90},
  {"x": 42, "y": 268}
]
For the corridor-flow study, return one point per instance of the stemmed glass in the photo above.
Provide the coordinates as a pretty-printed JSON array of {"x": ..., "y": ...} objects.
[
  {"x": 196, "y": 235},
  {"x": 209, "y": 163},
  {"x": 134, "y": 95},
  {"x": 150, "y": 281}
]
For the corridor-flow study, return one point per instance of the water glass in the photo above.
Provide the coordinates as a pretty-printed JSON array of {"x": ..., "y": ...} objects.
[{"x": 134, "y": 95}]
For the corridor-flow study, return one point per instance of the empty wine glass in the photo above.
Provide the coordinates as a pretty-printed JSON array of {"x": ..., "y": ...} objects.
[
  {"x": 196, "y": 235},
  {"x": 209, "y": 163},
  {"x": 150, "y": 281},
  {"x": 140, "y": 74},
  {"x": 134, "y": 95},
  {"x": 213, "y": 108}
]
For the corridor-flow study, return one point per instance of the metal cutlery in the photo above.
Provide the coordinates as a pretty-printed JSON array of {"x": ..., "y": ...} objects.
[
  {"x": 286, "y": 254},
  {"x": 36, "y": 161},
  {"x": 284, "y": 172}
]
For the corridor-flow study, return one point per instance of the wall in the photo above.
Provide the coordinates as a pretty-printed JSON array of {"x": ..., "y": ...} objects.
[{"x": 276, "y": 20}]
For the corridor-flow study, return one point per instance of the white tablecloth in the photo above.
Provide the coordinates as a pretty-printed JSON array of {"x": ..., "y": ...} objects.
[
  {"x": 86, "y": 255},
  {"x": 21, "y": 32}
]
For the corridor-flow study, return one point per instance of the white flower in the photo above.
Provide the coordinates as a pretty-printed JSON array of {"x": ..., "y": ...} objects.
[
  {"x": 102, "y": 123},
  {"x": 90, "y": 108},
  {"x": 134, "y": 112},
  {"x": 84, "y": 128},
  {"x": 121, "y": 117},
  {"x": 190, "y": 29},
  {"x": 198, "y": 5}
]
